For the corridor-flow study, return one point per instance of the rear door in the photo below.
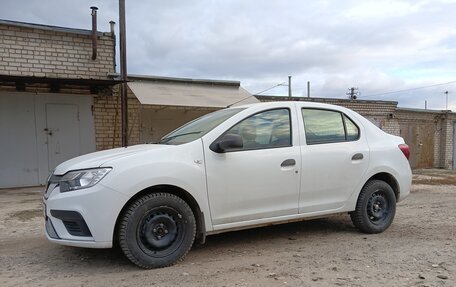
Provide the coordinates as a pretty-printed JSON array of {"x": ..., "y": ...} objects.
[{"x": 335, "y": 156}]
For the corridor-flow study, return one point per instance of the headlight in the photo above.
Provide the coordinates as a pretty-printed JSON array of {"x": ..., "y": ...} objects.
[{"x": 80, "y": 179}]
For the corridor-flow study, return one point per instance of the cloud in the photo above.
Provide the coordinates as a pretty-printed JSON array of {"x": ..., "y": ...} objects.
[{"x": 377, "y": 46}]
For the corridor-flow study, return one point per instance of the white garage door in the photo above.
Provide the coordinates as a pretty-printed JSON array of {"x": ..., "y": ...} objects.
[
  {"x": 38, "y": 132},
  {"x": 18, "y": 157}
]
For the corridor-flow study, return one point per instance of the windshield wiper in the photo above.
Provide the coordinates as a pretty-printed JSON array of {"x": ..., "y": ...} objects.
[{"x": 165, "y": 140}]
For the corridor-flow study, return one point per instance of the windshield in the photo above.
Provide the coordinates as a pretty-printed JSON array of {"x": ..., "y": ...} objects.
[{"x": 197, "y": 128}]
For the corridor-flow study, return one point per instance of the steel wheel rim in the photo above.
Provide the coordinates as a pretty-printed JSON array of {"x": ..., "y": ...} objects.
[
  {"x": 160, "y": 231},
  {"x": 378, "y": 207}
]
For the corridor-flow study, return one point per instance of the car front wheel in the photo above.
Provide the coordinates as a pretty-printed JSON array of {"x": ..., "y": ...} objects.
[
  {"x": 157, "y": 230},
  {"x": 375, "y": 208}
]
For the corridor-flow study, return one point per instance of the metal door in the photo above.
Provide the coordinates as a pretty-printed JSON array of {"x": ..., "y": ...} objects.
[
  {"x": 63, "y": 133},
  {"x": 420, "y": 139},
  {"x": 18, "y": 155}
]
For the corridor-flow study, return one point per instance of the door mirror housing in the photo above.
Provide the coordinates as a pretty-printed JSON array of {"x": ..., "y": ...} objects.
[{"x": 227, "y": 142}]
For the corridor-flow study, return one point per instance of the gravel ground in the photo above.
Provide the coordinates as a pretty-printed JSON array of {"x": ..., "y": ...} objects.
[{"x": 419, "y": 249}]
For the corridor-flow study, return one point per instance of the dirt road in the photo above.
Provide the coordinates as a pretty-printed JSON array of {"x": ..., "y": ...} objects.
[{"x": 419, "y": 249}]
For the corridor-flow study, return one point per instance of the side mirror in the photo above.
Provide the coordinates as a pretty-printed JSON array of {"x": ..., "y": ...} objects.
[{"x": 227, "y": 142}]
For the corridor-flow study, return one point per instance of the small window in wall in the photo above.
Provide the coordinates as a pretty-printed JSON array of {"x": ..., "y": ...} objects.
[
  {"x": 269, "y": 129},
  {"x": 325, "y": 126}
]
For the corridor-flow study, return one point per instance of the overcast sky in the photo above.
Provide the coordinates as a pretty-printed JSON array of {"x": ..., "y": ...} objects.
[{"x": 377, "y": 46}]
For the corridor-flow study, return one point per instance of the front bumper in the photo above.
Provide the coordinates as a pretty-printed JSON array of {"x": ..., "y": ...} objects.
[{"x": 82, "y": 218}]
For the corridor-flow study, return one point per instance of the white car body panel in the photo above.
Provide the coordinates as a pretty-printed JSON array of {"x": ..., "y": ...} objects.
[
  {"x": 246, "y": 190},
  {"x": 185, "y": 160},
  {"x": 98, "y": 158},
  {"x": 88, "y": 202},
  {"x": 234, "y": 190}
]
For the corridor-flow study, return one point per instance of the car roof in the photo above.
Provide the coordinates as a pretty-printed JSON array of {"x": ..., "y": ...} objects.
[{"x": 298, "y": 103}]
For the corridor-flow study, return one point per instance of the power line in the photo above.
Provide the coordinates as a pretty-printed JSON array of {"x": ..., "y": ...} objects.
[{"x": 407, "y": 90}]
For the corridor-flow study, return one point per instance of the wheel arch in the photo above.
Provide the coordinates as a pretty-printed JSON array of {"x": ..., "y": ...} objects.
[
  {"x": 389, "y": 179},
  {"x": 177, "y": 191}
]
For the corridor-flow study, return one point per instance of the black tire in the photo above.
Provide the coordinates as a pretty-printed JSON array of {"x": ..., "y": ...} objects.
[
  {"x": 375, "y": 208},
  {"x": 157, "y": 230}
]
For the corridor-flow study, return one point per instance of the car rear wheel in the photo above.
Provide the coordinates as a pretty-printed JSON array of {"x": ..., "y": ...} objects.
[
  {"x": 375, "y": 208},
  {"x": 157, "y": 230}
]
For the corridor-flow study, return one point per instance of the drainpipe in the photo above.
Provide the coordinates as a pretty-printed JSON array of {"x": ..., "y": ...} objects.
[
  {"x": 123, "y": 73},
  {"x": 94, "y": 32},
  {"x": 113, "y": 35}
]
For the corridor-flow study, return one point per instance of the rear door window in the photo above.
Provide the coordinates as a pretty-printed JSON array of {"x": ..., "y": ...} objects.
[{"x": 327, "y": 126}]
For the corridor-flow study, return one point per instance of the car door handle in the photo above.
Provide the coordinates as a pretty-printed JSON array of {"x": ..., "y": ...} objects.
[
  {"x": 288, "y": 162},
  {"x": 358, "y": 156}
]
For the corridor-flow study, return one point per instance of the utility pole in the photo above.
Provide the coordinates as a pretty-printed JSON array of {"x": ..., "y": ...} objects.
[
  {"x": 123, "y": 73},
  {"x": 352, "y": 93},
  {"x": 446, "y": 94},
  {"x": 289, "y": 86},
  {"x": 425, "y": 104},
  {"x": 308, "y": 89}
]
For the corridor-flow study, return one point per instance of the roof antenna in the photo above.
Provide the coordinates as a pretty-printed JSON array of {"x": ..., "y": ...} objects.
[{"x": 230, "y": 105}]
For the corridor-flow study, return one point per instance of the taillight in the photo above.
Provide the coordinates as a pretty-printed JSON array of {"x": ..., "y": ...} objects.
[{"x": 405, "y": 150}]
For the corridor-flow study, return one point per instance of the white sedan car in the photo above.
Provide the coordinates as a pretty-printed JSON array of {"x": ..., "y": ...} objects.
[{"x": 236, "y": 168}]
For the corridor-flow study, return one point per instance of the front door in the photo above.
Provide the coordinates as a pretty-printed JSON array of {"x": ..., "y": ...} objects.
[
  {"x": 63, "y": 133},
  {"x": 260, "y": 180}
]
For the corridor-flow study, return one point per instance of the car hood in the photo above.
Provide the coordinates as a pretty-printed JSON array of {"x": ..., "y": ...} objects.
[{"x": 97, "y": 159}]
